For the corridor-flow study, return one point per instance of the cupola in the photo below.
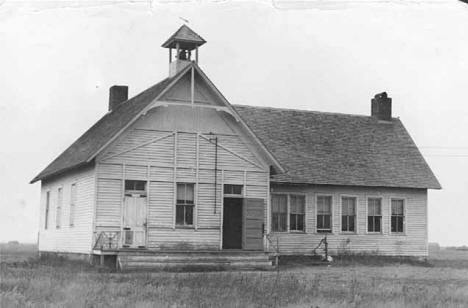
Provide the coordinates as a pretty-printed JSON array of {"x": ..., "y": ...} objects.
[{"x": 185, "y": 43}]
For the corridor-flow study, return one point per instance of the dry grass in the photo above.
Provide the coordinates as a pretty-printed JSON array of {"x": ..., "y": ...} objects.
[{"x": 350, "y": 284}]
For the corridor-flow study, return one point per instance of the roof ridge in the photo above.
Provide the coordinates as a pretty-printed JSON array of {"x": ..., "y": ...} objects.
[{"x": 307, "y": 111}]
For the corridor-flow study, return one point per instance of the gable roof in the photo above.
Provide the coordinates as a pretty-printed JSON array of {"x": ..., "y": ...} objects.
[
  {"x": 93, "y": 141},
  {"x": 99, "y": 134},
  {"x": 339, "y": 149},
  {"x": 310, "y": 147},
  {"x": 184, "y": 35}
]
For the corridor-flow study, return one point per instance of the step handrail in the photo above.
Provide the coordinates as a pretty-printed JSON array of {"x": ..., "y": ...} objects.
[
  {"x": 275, "y": 246},
  {"x": 325, "y": 244}
]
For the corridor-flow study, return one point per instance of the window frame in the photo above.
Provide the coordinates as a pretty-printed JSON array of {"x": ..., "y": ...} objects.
[
  {"x": 72, "y": 210},
  {"x": 47, "y": 211},
  {"x": 381, "y": 214},
  {"x": 317, "y": 195},
  {"x": 241, "y": 195},
  {"x": 404, "y": 216},
  {"x": 288, "y": 211},
  {"x": 185, "y": 225},
  {"x": 58, "y": 208},
  {"x": 142, "y": 193},
  {"x": 356, "y": 206}
]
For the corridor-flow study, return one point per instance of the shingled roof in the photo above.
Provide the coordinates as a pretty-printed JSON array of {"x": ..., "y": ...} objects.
[
  {"x": 339, "y": 149},
  {"x": 99, "y": 134},
  {"x": 313, "y": 147},
  {"x": 184, "y": 35}
]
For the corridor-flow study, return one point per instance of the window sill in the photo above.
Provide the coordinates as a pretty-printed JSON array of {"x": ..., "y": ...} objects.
[
  {"x": 184, "y": 227},
  {"x": 397, "y": 234},
  {"x": 288, "y": 232},
  {"x": 374, "y": 233},
  {"x": 347, "y": 233}
]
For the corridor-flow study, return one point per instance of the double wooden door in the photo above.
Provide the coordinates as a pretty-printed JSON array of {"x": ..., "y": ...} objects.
[{"x": 243, "y": 223}]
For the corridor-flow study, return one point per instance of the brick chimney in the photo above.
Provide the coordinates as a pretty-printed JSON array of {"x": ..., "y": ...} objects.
[
  {"x": 117, "y": 95},
  {"x": 381, "y": 107}
]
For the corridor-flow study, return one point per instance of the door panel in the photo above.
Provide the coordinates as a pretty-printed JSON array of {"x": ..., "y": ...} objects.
[
  {"x": 254, "y": 223},
  {"x": 232, "y": 223},
  {"x": 134, "y": 221}
]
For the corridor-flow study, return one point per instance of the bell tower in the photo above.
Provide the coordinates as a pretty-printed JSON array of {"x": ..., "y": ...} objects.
[{"x": 185, "y": 43}]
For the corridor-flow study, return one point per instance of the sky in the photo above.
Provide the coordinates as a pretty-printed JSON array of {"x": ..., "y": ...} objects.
[{"x": 59, "y": 58}]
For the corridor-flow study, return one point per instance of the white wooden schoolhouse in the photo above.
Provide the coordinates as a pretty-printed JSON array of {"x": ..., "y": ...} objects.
[{"x": 179, "y": 170}]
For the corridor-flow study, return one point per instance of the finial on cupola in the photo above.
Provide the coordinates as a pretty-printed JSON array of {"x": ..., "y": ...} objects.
[{"x": 184, "y": 41}]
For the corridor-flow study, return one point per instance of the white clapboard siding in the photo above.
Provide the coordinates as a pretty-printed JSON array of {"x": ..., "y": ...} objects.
[
  {"x": 164, "y": 156},
  {"x": 68, "y": 239},
  {"x": 206, "y": 216},
  {"x": 109, "y": 203},
  {"x": 412, "y": 243},
  {"x": 161, "y": 206},
  {"x": 163, "y": 174}
]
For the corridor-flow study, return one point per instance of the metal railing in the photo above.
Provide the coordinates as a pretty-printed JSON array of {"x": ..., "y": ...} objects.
[
  {"x": 275, "y": 246},
  {"x": 112, "y": 240},
  {"x": 107, "y": 240},
  {"x": 323, "y": 242}
]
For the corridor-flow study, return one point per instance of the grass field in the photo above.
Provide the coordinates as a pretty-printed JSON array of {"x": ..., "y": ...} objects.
[{"x": 351, "y": 282}]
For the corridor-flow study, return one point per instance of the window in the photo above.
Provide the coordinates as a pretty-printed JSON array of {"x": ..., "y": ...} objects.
[
  {"x": 297, "y": 213},
  {"x": 132, "y": 187},
  {"x": 230, "y": 189},
  {"x": 184, "y": 206},
  {"x": 47, "y": 207},
  {"x": 279, "y": 213},
  {"x": 58, "y": 218},
  {"x": 374, "y": 215},
  {"x": 398, "y": 216},
  {"x": 72, "y": 204},
  {"x": 348, "y": 214},
  {"x": 324, "y": 204}
]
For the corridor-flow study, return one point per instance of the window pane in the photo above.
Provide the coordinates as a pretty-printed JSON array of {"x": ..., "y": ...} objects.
[
  {"x": 344, "y": 223},
  {"x": 58, "y": 217},
  {"x": 327, "y": 220},
  {"x": 394, "y": 224},
  {"x": 377, "y": 224},
  {"x": 189, "y": 215},
  {"x": 185, "y": 193},
  {"x": 46, "y": 222},
  {"x": 300, "y": 222},
  {"x": 189, "y": 193},
  {"x": 297, "y": 204},
  {"x": 324, "y": 204},
  {"x": 349, "y": 205},
  {"x": 292, "y": 222},
  {"x": 279, "y": 204},
  {"x": 275, "y": 222},
  {"x": 400, "y": 224},
  {"x": 397, "y": 207},
  {"x": 374, "y": 207},
  {"x": 370, "y": 223},
  {"x": 351, "y": 223},
  {"x": 180, "y": 214},
  {"x": 279, "y": 208},
  {"x": 135, "y": 185}
]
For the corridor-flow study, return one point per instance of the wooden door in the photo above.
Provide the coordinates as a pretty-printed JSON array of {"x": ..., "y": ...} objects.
[
  {"x": 253, "y": 223},
  {"x": 134, "y": 221},
  {"x": 232, "y": 223}
]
